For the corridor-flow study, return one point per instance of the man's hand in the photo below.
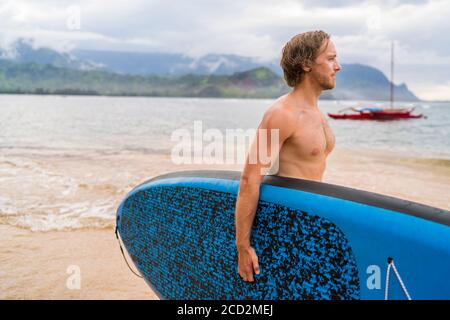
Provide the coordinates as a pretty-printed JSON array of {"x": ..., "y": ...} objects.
[{"x": 247, "y": 263}]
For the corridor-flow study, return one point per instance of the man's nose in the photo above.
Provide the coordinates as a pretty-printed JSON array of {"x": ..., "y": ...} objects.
[{"x": 337, "y": 67}]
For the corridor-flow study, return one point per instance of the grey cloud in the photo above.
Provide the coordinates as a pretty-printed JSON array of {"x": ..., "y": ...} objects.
[
  {"x": 349, "y": 3},
  {"x": 250, "y": 28}
]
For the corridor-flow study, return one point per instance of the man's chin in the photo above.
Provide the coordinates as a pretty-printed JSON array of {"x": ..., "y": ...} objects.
[{"x": 328, "y": 86}]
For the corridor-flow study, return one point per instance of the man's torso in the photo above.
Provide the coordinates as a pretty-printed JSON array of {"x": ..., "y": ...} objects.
[{"x": 303, "y": 155}]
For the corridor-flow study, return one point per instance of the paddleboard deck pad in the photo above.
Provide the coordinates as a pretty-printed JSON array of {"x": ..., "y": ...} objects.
[{"x": 313, "y": 240}]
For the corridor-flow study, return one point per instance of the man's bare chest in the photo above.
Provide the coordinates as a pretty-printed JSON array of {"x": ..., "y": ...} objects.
[{"x": 313, "y": 138}]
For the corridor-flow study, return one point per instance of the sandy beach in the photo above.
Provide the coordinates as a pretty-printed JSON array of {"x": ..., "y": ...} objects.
[
  {"x": 37, "y": 265},
  {"x": 34, "y": 258}
]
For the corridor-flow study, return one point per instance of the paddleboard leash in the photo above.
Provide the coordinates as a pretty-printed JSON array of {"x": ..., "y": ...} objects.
[
  {"x": 123, "y": 254},
  {"x": 392, "y": 265}
]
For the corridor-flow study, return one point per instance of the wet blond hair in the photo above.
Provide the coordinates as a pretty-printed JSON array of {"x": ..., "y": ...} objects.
[{"x": 300, "y": 52}]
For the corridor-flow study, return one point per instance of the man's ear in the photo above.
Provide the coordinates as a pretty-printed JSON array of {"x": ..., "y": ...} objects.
[{"x": 307, "y": 66}]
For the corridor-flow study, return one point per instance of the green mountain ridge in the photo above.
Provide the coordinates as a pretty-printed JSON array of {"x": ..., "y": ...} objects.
[{"x": 260, "y": 82}]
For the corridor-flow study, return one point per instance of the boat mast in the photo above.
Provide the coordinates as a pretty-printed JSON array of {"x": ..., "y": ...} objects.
[{"x": 392, "y": 74}]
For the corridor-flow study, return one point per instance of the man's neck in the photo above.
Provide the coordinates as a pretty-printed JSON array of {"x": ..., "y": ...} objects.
[{"x": 307, "y": 92}]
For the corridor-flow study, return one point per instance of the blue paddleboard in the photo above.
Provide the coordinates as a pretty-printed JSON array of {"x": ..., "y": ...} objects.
[{"x": 314, "y": 240}]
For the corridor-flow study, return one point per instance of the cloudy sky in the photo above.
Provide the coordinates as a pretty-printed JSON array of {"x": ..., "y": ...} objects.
[{"x": 362, "y": 30}]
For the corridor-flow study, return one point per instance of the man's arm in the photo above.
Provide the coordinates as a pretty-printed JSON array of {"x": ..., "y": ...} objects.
[{"x": 248, "y": 195}]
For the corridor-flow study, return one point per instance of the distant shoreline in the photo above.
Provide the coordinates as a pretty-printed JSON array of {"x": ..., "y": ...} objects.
[
  {"x": 358, "y": 82},
  {"x": 131, "y": 95}
]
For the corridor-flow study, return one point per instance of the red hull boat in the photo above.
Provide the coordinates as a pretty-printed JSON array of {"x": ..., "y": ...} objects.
[
  {"x": 379, "y": 113},
  {"x": 376, "y": 114}
]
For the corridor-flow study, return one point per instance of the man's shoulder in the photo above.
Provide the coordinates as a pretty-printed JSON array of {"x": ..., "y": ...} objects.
[{"x": 281, "y": 114}]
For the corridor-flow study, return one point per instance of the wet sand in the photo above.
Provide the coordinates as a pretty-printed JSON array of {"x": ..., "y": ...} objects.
[
  {"x": 33, "y": 265},
  {"x": 426, "y": 181},
  {"x": 38, "y": 265}
]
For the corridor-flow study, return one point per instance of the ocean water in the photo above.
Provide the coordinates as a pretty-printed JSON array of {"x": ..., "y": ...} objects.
[
  {"x": 113, "y": 124},
  {"x": 66, "y": 162}
]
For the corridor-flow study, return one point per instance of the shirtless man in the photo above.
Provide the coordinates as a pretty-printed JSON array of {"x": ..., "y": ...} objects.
[{"x": 304, "y": 141}]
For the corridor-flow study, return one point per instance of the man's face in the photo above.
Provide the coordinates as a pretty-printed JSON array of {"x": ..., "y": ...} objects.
[{"x": 326, "y": 66}]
